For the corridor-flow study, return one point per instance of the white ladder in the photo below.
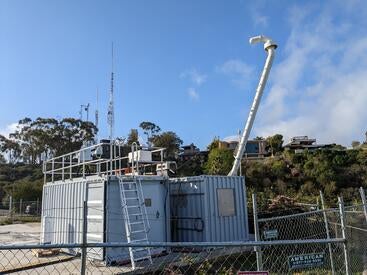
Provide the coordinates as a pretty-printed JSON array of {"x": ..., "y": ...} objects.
[{"x": 135, "y": 218}]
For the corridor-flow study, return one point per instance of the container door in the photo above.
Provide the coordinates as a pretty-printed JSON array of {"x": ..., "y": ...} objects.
[
  {"x": 95, "y": 218},
  {"x": 155, "y": 205}
]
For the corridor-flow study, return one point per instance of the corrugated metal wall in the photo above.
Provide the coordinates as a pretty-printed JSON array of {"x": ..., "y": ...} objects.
[
  {"x": 62, "y": 211},
  {"x": 194, "y": 209},
  {"x": 226, "y": 228},
  {"x": 187, "y": 209}
]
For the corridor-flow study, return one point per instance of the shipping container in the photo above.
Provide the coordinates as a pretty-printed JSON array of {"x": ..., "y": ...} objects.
[
  {"x": 208, "y": 209},
  {"x": 62, "y": 213}
]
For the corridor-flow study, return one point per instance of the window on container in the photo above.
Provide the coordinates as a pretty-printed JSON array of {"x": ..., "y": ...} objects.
[
  {"x": 148, "y": 202},
  {"x": 226, "y": 202}
]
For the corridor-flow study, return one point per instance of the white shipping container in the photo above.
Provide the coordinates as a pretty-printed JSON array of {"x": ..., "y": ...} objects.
[{"x": 62, "y": 213}]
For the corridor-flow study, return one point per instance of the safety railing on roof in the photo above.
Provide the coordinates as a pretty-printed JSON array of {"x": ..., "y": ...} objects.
[{"x": 104, "y": 158}]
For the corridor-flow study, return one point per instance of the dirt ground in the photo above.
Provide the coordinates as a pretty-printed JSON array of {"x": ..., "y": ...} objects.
[{"x": 20, "y": 233}]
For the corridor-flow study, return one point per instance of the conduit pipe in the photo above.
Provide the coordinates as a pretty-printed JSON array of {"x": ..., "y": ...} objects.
[{"x": 269, "y": 47}]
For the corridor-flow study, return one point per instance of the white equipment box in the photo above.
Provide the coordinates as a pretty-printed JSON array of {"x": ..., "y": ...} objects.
[{"x": 141, "y": 156}]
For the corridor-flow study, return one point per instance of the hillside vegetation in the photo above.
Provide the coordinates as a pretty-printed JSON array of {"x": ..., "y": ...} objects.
[{"x": 335, "y": 171}]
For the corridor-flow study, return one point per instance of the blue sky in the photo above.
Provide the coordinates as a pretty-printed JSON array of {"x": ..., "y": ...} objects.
[{"x": 187, "y": 65}]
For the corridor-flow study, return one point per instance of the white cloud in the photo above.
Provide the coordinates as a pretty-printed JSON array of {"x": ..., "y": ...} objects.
[
  {"x": 193, "y": 94},
  {"x": 239, "y": 72},
  {"x": 319, "y": 89},
  {"x": 194, "y": 76},
  {"x": 260, "y": 19},
  {"x": 10, "y": 128}
]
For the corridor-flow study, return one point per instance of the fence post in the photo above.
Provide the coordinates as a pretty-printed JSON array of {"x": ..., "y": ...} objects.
[
  {"x": 11, "y": 207},
  {"x": 343, "y": 223},
  {"x": 327, "y": 233},
  {"x": 20, "y": 207},
  {"x": 364, "y": 201},
  {"x": 37, "y": 206},
  {"x": 84, "y": 240},
  {"x": 259, "y": 260}
]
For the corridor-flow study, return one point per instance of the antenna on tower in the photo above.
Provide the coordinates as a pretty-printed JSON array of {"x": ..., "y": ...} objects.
[
  {"x": 111, "y": 114},
  {"x": 96, "y": 118},
  {"x": 85, "y": 108}
]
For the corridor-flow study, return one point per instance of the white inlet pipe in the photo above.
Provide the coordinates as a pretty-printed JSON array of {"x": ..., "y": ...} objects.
[{"x": 269, "y": 46}]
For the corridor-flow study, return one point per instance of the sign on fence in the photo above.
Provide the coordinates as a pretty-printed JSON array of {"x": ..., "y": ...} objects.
[
  {"x": 270, "y": 234},
  {"x": 306, "y": 260}
]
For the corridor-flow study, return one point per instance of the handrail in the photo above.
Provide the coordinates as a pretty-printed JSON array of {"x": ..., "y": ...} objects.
[{"x": 92, "y": 160}]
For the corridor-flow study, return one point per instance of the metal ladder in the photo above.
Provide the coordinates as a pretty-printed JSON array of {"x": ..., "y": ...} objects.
[{"x": 135, "y": 218}]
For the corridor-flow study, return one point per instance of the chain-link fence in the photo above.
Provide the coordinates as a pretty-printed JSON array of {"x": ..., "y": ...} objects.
[
  {"x": 356, "y": 234},
  {"x": 280, "y": 257},
  {"x": 292, "y": 223},
  {"x": 302, "y": 241},
  {"x": 13, "y": 211}
]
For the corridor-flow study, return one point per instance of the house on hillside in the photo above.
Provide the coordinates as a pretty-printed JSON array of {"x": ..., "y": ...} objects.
[
  {"x": 255, "y": 149},
  {"x": 191, "y": 151},
  {"x": 300, "y": 143}
]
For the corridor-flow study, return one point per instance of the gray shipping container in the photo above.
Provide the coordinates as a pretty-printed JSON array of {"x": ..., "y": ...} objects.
[
  {"x": 62, "y": 213},
  {"x": 208, "y": 209}
]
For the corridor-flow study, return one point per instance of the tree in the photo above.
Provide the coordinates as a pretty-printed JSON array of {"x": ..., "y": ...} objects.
[
  {"x": 50, "y": 137},
  {"x": 150, "y": 129},
  {"x": 170, "y": 141},
  {"x": 275, "y": 143},
  {"x": 25, "y": 190},
  {"x": 10, "y": 148},
  {"x": 133, "y": 137},
  {"x": 219, "y": 161},
  {"x": 191, "y": 167},
  {"x": 214, "y": 144},
  {"x": 355, "y": 144}
]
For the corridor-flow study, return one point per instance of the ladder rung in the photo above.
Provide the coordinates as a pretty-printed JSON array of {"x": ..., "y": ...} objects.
[
  {"x": 134, "y": 241},
  {"x": 130, "y": 190},
  {"x": 132, "y": 198},
  {"x": 128, "y": 182},
  {"x": 142, "y": 258},
  {"x": 132, "y": 223},
  {"x": 139, "y": 249},
  {"x": 133, "y": 206},
  {"x": 137, "y": 214},
  {"x": 138, "y": 231}
]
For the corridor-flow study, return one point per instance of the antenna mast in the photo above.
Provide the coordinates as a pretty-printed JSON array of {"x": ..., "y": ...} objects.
[
  {"x": 111, "y": 114},
  {"x": 96, "y": 117}
]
